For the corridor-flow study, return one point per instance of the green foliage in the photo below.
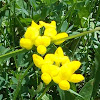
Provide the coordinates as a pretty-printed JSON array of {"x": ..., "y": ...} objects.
[
  {"x": 19, "y": 77},
  {"x": 96, "y": 77},
  {"x": 86, "y": 91}
]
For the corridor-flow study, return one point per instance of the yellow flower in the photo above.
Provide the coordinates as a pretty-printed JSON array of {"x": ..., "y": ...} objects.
[
  {"x": 64, "y": 85},
  {"x": 50, "y": 32},
  {"x": 59, "y": 36},
  {"x": 58, "y": 68},
  {"x": 60, "y": 58},
  {"x": 34, "y": 25},
  {"x": 59, "y": 52},
  {"x": 41, "y": 49},
  {"x": 47, "y": 25},
  {"x": 50, "y": 29},
  {"x": 38, "y": 60},
  {"x": 42, "y": 40},
  {"x": 52, "y": 70},
  {"x": 73, "y": 65},
  {"x": 75, "y": 78},
  {"x": 64, "y": 74},
  {"x": 46, "y": 78},
  {"x": 26, "y": 43},
  {"x": 31, "y": 33},
  {"x": 49, "y": 58}
]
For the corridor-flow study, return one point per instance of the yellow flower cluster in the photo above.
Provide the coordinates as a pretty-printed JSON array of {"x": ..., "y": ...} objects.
[
  {"x": 32, "y": 36},
  {"x": 58, "y": 68}
]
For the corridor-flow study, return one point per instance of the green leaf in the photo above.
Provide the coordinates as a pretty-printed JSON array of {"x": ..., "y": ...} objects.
[
  {"x": 3, "y": 50},
  {"x": 33, "y": 3},
  {"x": 61, "y": 93},
  {"x": 39, "y": 87},
  {"x": 49, "y": 2},
  {"x": 20, "y": 82},
  {"x": 97, "y": 74},
  {"x": 86, "y": 91},
  {"x": 47, "y": 97},
  {"x": 14, "y": 80},
  {"x": 64, "y": 26},
  {"x": 1, "y": 96},
  {"x": 25, "y": 11},
  {"x": 65, "y": 95},
  {"x": 20, "y": 3},
  {"x": 73, "y": 92}
]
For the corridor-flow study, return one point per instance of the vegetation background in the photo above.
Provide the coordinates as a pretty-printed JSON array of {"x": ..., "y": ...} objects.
[{"x": 19, "y": 78}]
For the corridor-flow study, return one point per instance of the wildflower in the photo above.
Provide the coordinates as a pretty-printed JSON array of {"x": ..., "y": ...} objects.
[
  {"x": 50, "y": 34},
  {"x": 66, "y": 73},
  {"x": 30, "y": 35},
  {"x": 58, "y": 68}
]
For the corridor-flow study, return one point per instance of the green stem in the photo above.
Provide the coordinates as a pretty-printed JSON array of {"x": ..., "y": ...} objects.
[
  {"x": 46, "y": 89},
  {"x": 13, "y": 53},
  {"x": 20, "y": 81},
  {"x": 78, "y": 35}
]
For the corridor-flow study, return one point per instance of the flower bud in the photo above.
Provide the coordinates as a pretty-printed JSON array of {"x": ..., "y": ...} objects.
[
  {"x": 38, "y": 60},
  {"x": 31, "y": 33},
  {"x": 41, "y": 49},
  {"x": 26, "y": 43},
  {"x": 46, "y": 78},
  {"x": 64, "y": 85},
  {"x": 75, "y": 78}
]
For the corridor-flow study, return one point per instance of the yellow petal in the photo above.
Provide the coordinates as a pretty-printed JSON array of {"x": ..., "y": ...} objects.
[
  {"x": 31, "y": 33},
  {"x": 26, "y": 43},
  {"x": 46, "y": 78},
  {"x": 49, "y": 58},
  {"x": 59, "y": 52},
  {"x": 64, "y": 85},
  {"x": 75, "y": 78},
  {"x": 65, "y": 73},
  {"x": 50, "y": 69},
  {"x": 48, "y": 25},
  {"x": 57, "y": 79},
  {"x": 34, "y": 25},
  {"x": 74, "y": 65},
  {"x": 65, "y": 59},
  {"x": 50, "y": 32},
  {"x": 42, "y": 40},
  {"x": 38, "y": 60},
  {"x": 53, "y": 23},
  {"x": 41, "y": 49},
  {"x": 60, "y": 36}
]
